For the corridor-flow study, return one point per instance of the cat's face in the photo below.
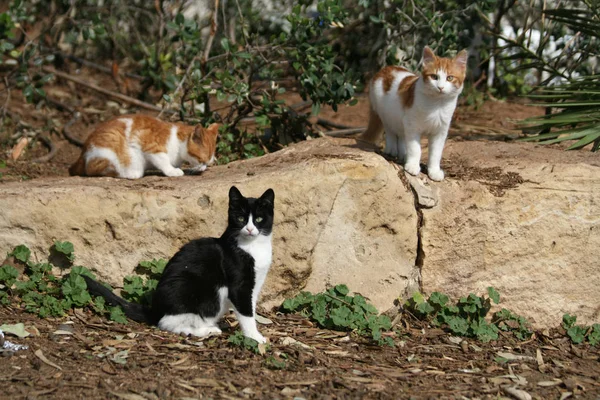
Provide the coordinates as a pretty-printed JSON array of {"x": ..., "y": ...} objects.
[
  {"x": 207, "y": 138},
  {"x": 444, "y": 77},
  {"x": 251, "y": 217}
]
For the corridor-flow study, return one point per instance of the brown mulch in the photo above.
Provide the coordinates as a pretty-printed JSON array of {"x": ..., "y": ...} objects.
[{"x": 100, "y": 360}]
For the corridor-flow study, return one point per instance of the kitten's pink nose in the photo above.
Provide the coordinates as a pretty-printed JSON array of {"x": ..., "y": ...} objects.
[
  {"x": 441, "y": 89},
  {"x": 250, "y": 229}
]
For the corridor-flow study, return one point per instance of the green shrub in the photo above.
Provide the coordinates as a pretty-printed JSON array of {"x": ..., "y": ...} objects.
[
  {"x": 467, "y": 317},
  {"x": 335, "y": 309}
]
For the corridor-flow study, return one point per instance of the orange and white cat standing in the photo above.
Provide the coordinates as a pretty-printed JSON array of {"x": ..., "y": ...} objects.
[
  {"x": 407, "y": 106},
  {"x": 126, "y": 146}
]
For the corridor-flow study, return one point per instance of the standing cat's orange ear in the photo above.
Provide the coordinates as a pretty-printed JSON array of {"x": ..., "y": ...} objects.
[
  {"x": 213, "y": 128},
  {"x": 428, "y": 56},
  {"x": 461, "y": 59}
]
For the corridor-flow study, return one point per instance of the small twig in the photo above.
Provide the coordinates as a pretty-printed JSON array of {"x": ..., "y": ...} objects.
[
  {"x": 181, "y": 82},
  {"x": 99, "y": 67},
  {"x": 51, "y": 150},
  {"x": 303, "y": 105},
  {"x": 59, "y": 105},
  {"x": 5, "y": 108},
  {"x": 344, "y": 132},
  {"x": 107, "y": 92},
  {"x": 75, "y": 116},
  {"x": 67, "y": 133},
  {"x": 325, "y": 122},
  {"x": 213, "y": 32}
]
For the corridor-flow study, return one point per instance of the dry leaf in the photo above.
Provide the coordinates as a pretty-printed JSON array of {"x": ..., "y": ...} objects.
[
  {"x": 119, "y": 343},
  {"x": 263, "y": 320},
  {"x": 42, "y": 357},
  {"x": 539, "y": 358},
  {"x": 289, "y": 341},
  {"x": 515, "y": 357},
  {"x": 180, "y": 361},
  {"x": 517, "y": 393},
  {"x": 15, "y": 329},
  {"x": 126, "y": 396},
  {"x": 262, "y": 348},
  {"x": 19, "y": 147},
  {"x": 61, "y": 332},
  {"x": 455, "y": 339},
  {"x": 205, "y": 382},
  {"x": 186, "y": 386},
  {"x": 549, "y": 383},
  {"x": 286, "y": 391},
  {"x": 340, "y": 353}
]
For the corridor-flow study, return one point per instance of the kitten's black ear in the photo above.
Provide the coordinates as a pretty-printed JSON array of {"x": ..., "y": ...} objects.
[
  {"x": 428, "y": 55},
  {"x": 234, "y": 194},
  {"x": 268, "y": 196}
]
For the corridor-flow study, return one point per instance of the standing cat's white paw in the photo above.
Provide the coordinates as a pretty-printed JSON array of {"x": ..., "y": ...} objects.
[
  {"x": 175, "y": 172},
  {"x": 436, "y": 175},
  {"x": 412, "y": 169},
  {"x": 258, "y": 337}
]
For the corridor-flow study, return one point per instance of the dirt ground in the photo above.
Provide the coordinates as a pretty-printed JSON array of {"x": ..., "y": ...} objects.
[{"x": 82, "y": 356}]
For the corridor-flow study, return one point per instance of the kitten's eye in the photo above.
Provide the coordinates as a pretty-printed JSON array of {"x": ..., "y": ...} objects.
[
  {"x": 241, "y": 219},
  {"x": 435, "y": 77},
  {"x": 450, "y": 78},
  {"x": 259, "y": 219}
]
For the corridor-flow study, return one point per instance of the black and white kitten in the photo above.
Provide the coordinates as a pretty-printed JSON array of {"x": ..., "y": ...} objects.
[{"x": 207, "y": 275}]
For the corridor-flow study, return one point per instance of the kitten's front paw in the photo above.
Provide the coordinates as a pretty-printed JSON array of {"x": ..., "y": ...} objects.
[
  {"x": 412, "y": 169},
  {"x": 199, "y": 168},
  {"x": 175, "y": 172},
  {"x": 436, "y": 175}
]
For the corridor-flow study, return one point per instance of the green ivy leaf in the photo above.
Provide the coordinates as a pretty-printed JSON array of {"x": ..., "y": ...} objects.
[
  {"x": 577, "y": 334},
  {"x": 74, "y": 288},
  {"x": 65, "y": 248},
  {"x": 594, "y": 335},
  {"x": 21, "y": 253},
  {"x": 8, "y": 275},
  {"x": 117, "y": 315},
  {"x": 569, "y": 320},
  {"x": 494, "y": 295}
]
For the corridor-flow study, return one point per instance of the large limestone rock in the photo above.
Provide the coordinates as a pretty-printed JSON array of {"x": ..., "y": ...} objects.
[
  {"x": 342, "y": 216},
  {"x": 520, "y": 218}
]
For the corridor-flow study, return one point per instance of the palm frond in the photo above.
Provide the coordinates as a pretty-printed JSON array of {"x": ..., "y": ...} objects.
[{"x": 575, "y": 104}]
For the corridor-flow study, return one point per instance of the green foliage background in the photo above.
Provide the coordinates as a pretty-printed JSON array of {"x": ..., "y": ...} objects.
[{"x": 324, "y": 50}]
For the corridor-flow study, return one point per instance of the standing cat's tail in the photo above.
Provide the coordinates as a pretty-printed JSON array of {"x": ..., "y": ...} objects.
[
  {"x": 78, "y": 168},
  {"x": 374, "y": 131},
  {"x": 136, "y": 312}
]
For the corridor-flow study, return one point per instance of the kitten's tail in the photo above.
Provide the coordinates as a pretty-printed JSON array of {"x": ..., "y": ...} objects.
[
  {"x": 136, "y": 312},
  {"x": 374, "y": 131},
  {"x": 78, "y": 168}
]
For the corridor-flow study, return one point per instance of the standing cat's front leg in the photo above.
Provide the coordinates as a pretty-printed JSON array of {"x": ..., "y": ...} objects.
[
  {"x": 412, "y": 142},
  {"x": 162, "y": 162},
  {"x": 391, "y": 146},
  {"x": 245, "y": 312},
  {"x": 436, "y": 147}
]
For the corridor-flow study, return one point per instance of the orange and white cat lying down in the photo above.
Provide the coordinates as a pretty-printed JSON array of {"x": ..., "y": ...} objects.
[
  {"x": 407, "y": 106},
  {"x": 128, "y": 145}
]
